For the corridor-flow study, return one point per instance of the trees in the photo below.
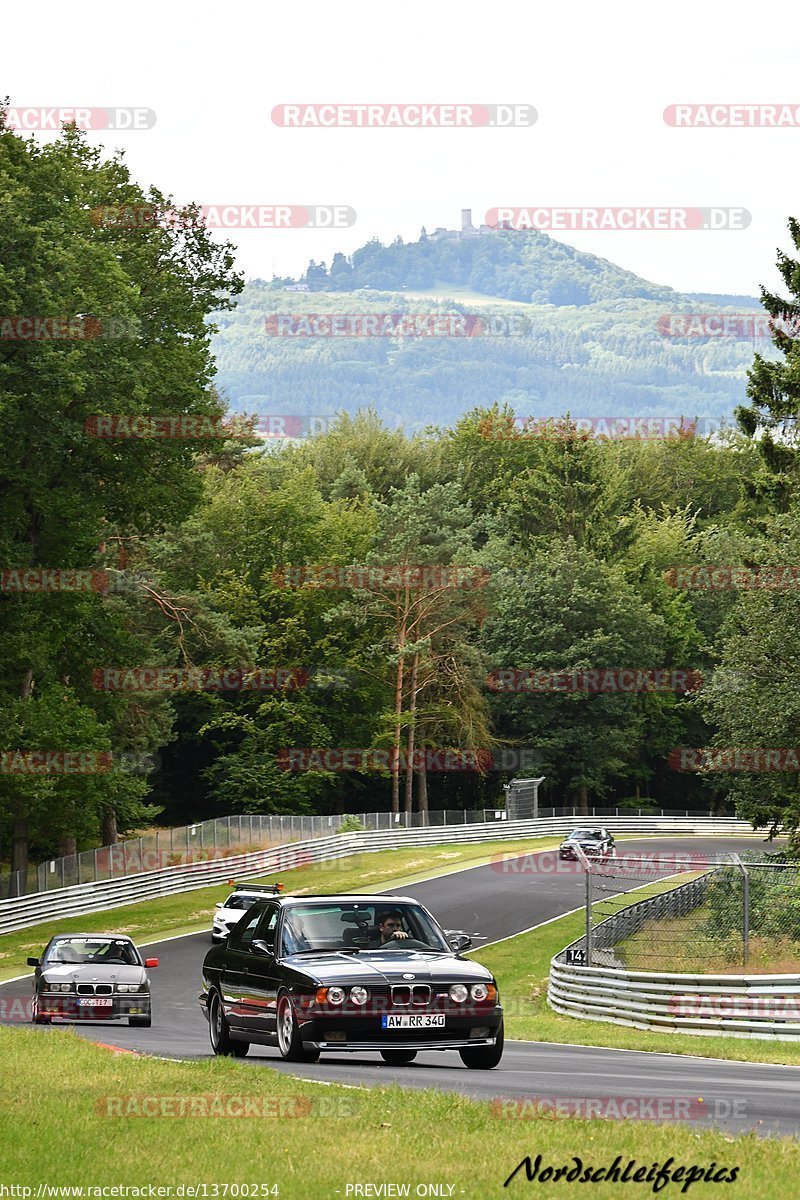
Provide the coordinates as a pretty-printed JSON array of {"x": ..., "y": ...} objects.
[
  {"x": 574, "y": 613},
  {"x": 774, "y": 390},
  {"x": 135, "y": 302}
]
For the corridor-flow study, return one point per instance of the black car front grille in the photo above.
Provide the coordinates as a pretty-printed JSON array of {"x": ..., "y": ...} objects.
[
  {"x": 95, "y": 989},
  {"x": 419, "y": 994}
]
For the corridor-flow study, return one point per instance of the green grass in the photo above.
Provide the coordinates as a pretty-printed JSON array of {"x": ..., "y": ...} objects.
[
  {"x": 522, "y": 965},
  {"x": 190, "y": 912},
  {"x": 58, "y": 1126}
]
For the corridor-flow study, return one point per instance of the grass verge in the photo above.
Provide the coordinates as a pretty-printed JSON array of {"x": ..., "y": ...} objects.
[
  {"x": 522, "y": 965},
  {"x": 310, "y": 1140}
]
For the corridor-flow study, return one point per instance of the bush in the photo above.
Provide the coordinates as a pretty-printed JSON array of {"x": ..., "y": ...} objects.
[{"x": 350, "y": 824}]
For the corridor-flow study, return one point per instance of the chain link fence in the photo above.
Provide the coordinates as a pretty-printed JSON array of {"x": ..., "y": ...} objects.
[
  {"x": 690, "y": 912},
  {"x": 224, "y": 836}
]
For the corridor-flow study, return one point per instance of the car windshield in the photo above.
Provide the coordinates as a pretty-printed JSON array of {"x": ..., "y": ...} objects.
[
  {"x": 96, "y": 951},
  {"x": 581, "y": 833},
  {"x": 353, "y": 928},
  {"x": 237, "y": 900}
]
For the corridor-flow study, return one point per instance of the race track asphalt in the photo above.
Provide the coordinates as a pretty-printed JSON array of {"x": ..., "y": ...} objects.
[{"x": 490, "y": 904}]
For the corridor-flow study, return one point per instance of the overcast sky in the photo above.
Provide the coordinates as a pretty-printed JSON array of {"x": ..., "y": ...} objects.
[{"x": 599, "y": 76}]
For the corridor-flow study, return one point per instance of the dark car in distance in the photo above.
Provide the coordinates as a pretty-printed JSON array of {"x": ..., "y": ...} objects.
[
  {"x": 595, "y": 843},
  {"x": 349, "y": 973},
  {"x": 91, "y": 976}
]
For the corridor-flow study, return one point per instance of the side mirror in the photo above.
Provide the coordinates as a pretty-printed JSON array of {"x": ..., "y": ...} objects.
[
  {"x": 151, "y": 962},
  {"x": 460, "y": 941},
  {"x": 33, "y": 962},
  {"x": 218, "y": 905},
  {"x": 261, "y": 947}
]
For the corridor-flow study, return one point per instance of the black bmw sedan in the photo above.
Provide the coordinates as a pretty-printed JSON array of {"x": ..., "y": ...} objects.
[{"x": 349, "y": 973}]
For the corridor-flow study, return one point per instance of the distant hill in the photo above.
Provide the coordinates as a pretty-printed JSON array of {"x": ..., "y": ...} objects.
[{"x": 546, "y": 328}]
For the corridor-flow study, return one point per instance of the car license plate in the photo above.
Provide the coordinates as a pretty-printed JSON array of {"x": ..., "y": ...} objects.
[
  {"x": 96, "y": 1001},
  {"x": 407, "y": 1021}
]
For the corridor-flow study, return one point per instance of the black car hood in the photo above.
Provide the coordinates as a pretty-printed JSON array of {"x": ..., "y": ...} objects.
[{"x": 386, "y": 966}]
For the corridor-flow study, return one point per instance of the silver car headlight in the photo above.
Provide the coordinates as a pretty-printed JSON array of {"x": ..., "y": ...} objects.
[
  {"x": 359, "y": 995},
  {"x": 131, "y": 987},
  {"x": 335, "y": 995},
  {"x": 57, "y": 987},
  {"x": 458, "y": 993},
  {"x": 479, "y": 991}
]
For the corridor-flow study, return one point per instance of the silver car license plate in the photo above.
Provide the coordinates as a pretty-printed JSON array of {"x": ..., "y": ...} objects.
[{"x": 96, "y": 1001}]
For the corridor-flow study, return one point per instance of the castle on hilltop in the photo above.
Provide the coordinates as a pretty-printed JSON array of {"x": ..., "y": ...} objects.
[{"x": 467, "y": 230}]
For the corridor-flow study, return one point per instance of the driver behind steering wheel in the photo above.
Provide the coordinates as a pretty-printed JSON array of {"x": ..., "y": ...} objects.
[{"x": 390, "y": 928}]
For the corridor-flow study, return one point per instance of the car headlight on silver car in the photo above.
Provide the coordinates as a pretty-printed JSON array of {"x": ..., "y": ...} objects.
[
  {"x": 335, "y": 995},
  {"x": 359, "y": 995},
  {"x": 57, "y": 987},
  {"x": 458, "y": 993},
  {"x": 131, "y": 987}
]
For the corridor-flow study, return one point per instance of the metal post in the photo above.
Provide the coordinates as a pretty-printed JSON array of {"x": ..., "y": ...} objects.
[
  {"x": 141, "y": 854},
  {"x": 745, "y": 915},
  {"x": 588, "y": 937},
  {"x": 95, "y": 864},
  {"x": 187, "y": 843}
]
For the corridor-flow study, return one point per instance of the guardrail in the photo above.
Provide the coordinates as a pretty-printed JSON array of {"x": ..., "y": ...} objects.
[
  {"x": 741, "y": 1005},
  {"x": 24, "y": 911}
]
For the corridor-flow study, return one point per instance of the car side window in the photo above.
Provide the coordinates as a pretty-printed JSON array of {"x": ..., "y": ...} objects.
[
  {"x": 265, "y": 931},
  {"x": 244, "y": 932}
]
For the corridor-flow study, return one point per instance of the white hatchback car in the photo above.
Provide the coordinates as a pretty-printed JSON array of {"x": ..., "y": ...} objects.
[{"x": 228, "y": 912}]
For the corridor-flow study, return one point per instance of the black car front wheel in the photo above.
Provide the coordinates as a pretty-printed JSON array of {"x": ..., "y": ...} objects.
[
  {"x": 221, "y": 1041},
  {"x": 398, "y": 1058},
  {"x": 483, "y": 1058},
  {"x": 290, "y": 1043}
]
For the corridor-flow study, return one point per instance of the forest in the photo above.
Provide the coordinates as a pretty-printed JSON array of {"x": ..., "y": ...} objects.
[{"x": 191, "y": 613}]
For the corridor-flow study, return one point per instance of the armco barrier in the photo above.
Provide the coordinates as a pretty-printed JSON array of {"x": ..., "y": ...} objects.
[
  {"x": 765, "y": 1007},
  {"x": 742, "y": 1006},
  {"x": 23, "y": 911}
]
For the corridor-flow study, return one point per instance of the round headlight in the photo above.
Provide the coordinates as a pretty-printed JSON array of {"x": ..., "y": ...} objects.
[
  {"x": 479, "y": 991},
  {"x": 359, "y": 995},
  {"x": 458, "y": 993},
  {"x": 335, "y": 995}
]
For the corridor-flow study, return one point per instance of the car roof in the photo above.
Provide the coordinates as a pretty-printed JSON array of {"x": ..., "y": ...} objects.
[
  {"x": 336, "y": 898},
  {"x": 116, "y": 937}
]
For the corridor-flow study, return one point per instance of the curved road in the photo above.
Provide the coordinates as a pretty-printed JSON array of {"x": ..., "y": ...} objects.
[{"x": 490, "y": 904}]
